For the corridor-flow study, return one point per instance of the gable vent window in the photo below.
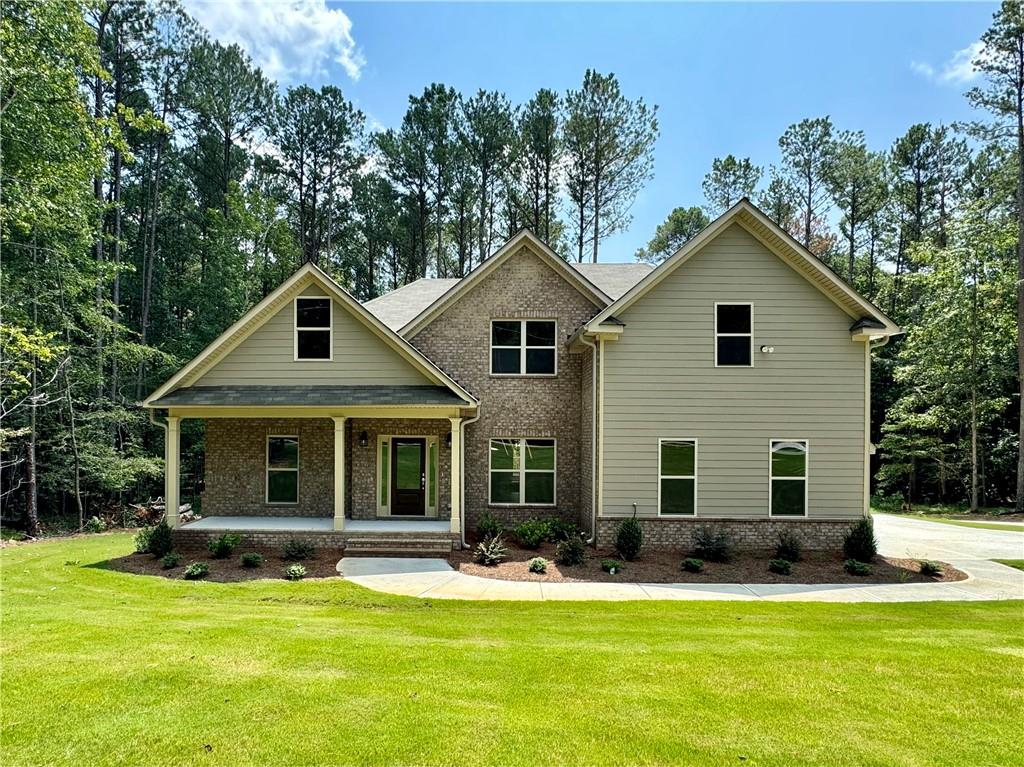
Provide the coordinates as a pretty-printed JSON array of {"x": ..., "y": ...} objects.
[
  {"x": 313, "y": 329},
  {"x": 733, "y": 335},
  {"x": 523, "y": 347}
]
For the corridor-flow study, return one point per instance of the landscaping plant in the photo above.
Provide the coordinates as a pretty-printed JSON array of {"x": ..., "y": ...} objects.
[
  {"x": 860, "y": 543},
  {"x": 222, "y": 547},
  {"x": 560, "y": 529},
  {"x": 531, "y": 533},
  {"x": 489, "y": 526},
  {"x": 94, "y": 525},
  {"x": 142, "y": 540},
  {"x": 170, "y": 561},
  {"x": 693, "y": 565},
  {"x": 295, "y": 550},
  {"x": 611, "y": 566},
  {"x": 252, "y": 559},
  {"x": 712, "y": 544},
  {"x": 780, "y": 566},
  {"x": 789, "y": 547},
  {"x": 295, "y": 572},
  {"x": 930, "y": 568},
  {"x": 538, "y": 565},
  {"x": 491, "y": 551},
  {"x": 161, "y": 541},
  {"x": 629, "y": 538},
  {"x": 853, "y": 567},
  {"x": 196, "y": 570},
  {"x": 571, "y": 551}
]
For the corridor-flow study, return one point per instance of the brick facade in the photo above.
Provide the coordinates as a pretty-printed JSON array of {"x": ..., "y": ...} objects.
[
  {"x": 747, "y": 534},
  {"x": 523, "y": 287}
]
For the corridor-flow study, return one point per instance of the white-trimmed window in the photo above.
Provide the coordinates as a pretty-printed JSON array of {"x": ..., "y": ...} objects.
[
  {"x": 282, "y": 469},
  {"x": 313, "y": 329},
  {"x": 677, "y": 477},
  {"x": 523, "y": 347},
  {"x": 522, "y": 472},
  {"x": 734, "y": 337},
  {"x": 788, "y": 477}
]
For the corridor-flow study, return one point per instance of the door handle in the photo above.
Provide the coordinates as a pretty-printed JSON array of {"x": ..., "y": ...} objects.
[{"x": 423, "y": 480}]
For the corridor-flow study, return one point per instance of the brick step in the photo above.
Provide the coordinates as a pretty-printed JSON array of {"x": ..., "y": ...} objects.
[{"x": 396, "y": 551}]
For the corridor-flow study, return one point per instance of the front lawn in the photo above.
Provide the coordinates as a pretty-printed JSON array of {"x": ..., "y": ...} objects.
[
  {"x": 103, "y": 668},
  {"x": 1017, "y": 563}
]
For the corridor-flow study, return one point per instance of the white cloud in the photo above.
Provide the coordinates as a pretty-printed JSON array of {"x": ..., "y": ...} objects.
[
  {"x": 289, "y": 40},
  {"x": 959, "y": 69}
]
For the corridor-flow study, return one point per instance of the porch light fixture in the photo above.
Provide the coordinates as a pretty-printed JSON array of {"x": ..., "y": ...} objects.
[
  {"x": 767, "y": 349},
  {"x": 448, "y": 440},
  {"x": 364, "y": 439}
]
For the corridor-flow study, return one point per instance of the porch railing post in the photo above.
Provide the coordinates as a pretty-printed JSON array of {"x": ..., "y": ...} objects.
[
  {"x": 339, "y": 472},
  {"x": 172, "y": 461},
  {"x": 456, "y": 476}
]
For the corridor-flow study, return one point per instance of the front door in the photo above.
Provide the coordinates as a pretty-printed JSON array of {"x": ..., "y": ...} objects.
[{"x": 408, "y": 476}]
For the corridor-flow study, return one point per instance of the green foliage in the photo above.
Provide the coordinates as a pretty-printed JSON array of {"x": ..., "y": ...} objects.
[
  {"x": 780, "y": 566},
  {"x": 789, "y": 547},
  {"x": 859, "y": 542},
  {"x": 570, "y": 551},
  {"x": 295, "y": 572},
  {"x": 95, "y": 525},
  {"x": 930, "y": 568},
  {"x": 170, "y": 560},
  {"x": 854, "y": 567},
  {"x": 491, "y": 551},
  {"x": 295, "y": 550},
  {"x": 161, "y": 541},
  {"x": 532, "y": 533},
  {"x": 693, "y": 565},
  {"x": 629, "y": 538},
  {"x": 611, "y": 566},
  {"x": 729, "y": 181},
  {"x": 680, "y": 226},
  {"x": 196, "y": 571},
  {"x": 712, "y": 543},
  {"x": 142, "y": 538},
  {"x": 538, "y": 565},
  {"x": 560, "y": 529},
  {"x": 223, "y": 546},
  {"x": 252, "y": 559},
  {"x": 489, "y": 526}
]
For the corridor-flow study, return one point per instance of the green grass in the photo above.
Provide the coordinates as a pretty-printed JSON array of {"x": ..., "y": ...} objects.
[
  {"x": 970, "y": 523},
  {"x": 104, "y": 668},
  {"x": 1018, "y": 563}
]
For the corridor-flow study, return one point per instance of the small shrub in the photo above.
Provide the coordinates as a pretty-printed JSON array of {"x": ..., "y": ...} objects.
[
  {"x": 142, "y": 540},
  {"x": 170, "y": 560},
  {"x": 531, "y": 533},
  {"x": 491, "y": 551},
  {"x": 295, "y": 550},
  {"x": 930, "y": 568},
  {"x": 611, "y": 566},
  {"x": 489, "y": 526},
  {"x": 629, "y": 538},
  {"x": 693, "y": 565},
  {"x": 789, "y": 547},
  {"x": 571, "y": 551},
  {"x": 94, "y": 525},
  {"x": 252, "y": 559},
  {"x": 712, "y": 544},
  {"x": 780, "y": 566},
  {"x": 295, "y": 572},
  {"x": 538, "y": 565},
  {"x": 224, "y": 546},
  {"x": 853, "y": 567},
  {"x": 859, "y": 543},
  {"x": 161, "y": 541},
  {"x": 560, "y": 529},
  {"x": 196, "y": 570}
]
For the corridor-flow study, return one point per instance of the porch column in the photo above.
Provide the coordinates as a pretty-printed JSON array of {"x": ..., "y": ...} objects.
[
  {"x": 339, "y": 472},
  {"x": 456, "y": 475},
  {"x": 172, "y": 460}
]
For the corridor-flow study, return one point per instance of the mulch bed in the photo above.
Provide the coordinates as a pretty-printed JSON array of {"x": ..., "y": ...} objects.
[
  {"x": 664, "y": 567},
  {"x": 229, "y": 570}
]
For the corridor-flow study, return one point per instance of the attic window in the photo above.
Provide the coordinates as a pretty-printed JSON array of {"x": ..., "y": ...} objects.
[{"x": 313, "y": 329}]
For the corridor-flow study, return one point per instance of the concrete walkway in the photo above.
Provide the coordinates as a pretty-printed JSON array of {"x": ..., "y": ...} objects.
[{"x": 968, "y": 549}]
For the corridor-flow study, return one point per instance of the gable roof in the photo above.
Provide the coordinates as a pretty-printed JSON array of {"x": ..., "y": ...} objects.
[
  {"x": 401, "y": 305},
  {"x": 614, "y": 279},
  {"x": 308, "y": 274},
  {"x": 525, "y": 237},
  {"x": 778, "y": 241}
]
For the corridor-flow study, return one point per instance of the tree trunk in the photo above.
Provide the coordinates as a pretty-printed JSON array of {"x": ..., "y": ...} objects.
[{"x": 1020, "y": 278}]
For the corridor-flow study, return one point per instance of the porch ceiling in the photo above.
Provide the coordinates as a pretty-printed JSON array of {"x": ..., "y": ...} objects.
[{"x": 310, "y": 396}]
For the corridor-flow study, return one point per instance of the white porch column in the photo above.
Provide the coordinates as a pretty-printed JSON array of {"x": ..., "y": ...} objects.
[
  {"x": 172, "y": 461},
  {"x": 339, "y": 472},
  {"x": 456, "y": 475}
]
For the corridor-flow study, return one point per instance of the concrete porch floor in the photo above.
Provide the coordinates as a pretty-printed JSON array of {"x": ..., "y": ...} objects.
[{"x": 319, "y": 525}]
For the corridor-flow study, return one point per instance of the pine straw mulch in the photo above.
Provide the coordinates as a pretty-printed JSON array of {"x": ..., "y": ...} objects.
[
  {"x": 322, "y": 565},
  {"x": 664, "y": 567}
]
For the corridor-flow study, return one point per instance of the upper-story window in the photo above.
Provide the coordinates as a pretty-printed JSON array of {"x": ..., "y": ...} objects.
[
  {"x": 523, "y": 347},
  {"x": 733, "y": 335},
  {"x": 313, "y": 329}
]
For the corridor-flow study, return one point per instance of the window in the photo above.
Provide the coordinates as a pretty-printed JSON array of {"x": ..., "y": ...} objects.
[
  {"x": 733, "y": 335},
  {"x": 522, "y": 472},
  {"x": 282, "y": 469},
  {"x": 523, "y": 347},
  {"x": 313, "y": 328},
  {"x": 677, "y": 475},
  {"x": 788, "y": 478}
]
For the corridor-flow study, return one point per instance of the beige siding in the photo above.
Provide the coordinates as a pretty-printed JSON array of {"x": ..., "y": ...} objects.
[
  {"x": 661, "y": 381},
  {"x": 267, "y": 357}
]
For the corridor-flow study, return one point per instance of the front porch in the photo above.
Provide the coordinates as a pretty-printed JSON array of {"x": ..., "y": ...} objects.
[{"x": 317, "y": 525}]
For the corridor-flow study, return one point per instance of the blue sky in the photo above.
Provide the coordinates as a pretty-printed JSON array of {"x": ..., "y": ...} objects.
[{"x": 727, "y": 78}]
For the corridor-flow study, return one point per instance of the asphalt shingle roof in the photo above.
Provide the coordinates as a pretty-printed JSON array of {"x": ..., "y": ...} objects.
[
  {"x": 614, "y": 279},
  {"x": 309, "y": 396}
]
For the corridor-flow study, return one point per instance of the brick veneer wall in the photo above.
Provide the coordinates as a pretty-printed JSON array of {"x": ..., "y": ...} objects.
[
  {"x": 747, "y": 534},
  {"x": 195, "y": 541},
  {"x": 523, "y": 287}
]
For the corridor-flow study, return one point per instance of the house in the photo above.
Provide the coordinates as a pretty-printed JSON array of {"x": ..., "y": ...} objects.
[{"x": 729, "y": 385}]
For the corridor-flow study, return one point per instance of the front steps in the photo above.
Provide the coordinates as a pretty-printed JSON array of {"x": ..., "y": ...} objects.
[{"x": 343, "y": 542}]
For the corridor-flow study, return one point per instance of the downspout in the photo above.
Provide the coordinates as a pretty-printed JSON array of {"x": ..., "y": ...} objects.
[
  {"x": 462, "y": 475},
  {"x": 593, "y": 438}
]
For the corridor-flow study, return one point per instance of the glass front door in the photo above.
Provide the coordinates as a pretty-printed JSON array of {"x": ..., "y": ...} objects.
[{"x": 408, "y": 476}]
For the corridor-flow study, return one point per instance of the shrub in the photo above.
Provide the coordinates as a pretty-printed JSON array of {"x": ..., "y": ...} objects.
[
  {"x": 531, "y": 533},
  {"x": 222, "y": 547},
  {"x": 780, "y": 566},
  {"x": 294, "y": 550},
  {"x": 789, "y": 547},
  {"x": 295, "y": 572},
  {"x": 853, "y": 567},
  {"x": 489, "y": 526},
  {"x": 252, "y": 559},
  {"x": 859, "y": 543},
  {"x": 611, "y": 566},
  {"x": 196, "y": 570},
  {"x": 570, "y": 551},
  {"x": 712, "y": 544},
  {"x": 538, "y": 565},
  {"x": 930, "y": 568},
  {"x": 170, "y": 560},
  {"x": 491, "y": 551},
  {"x": 161, "y": 541},
  {"x": 94, "y": 525},
  {"x": 561, "y": 530},
  {"x": 693, "y": 565},
  {"x": 629, "y": 538},
  {"x": 142, "y": 540}
]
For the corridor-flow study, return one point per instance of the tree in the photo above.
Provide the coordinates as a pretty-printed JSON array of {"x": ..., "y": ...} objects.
[
  {"x": 807, "y": 152},
  {"x": 612, "y": 138},
  {"x": 538, "y": 161},
  {"x": 856, "y": 183},
  {"x": 681, "y": 225},
  {"x": 729, "y": 181},
  {"x": 777, "y": 199}
]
